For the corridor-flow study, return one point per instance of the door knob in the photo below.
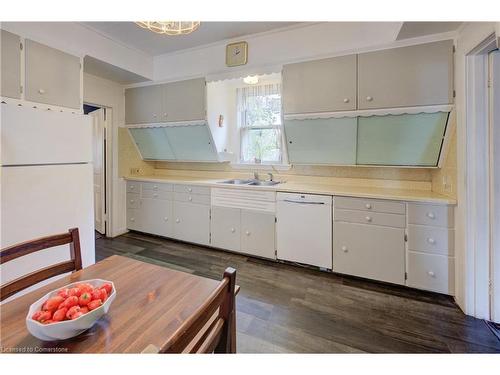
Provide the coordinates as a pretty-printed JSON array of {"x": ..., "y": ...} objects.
[
  {"x": 165, "y": 218},
  {"x": 190, "y": 199},
  {"x": 431, "y": 215},
  {"x": 232, "y": 230},
  {"x": 368, "y": 206},
  {"x": 344, "y": 248},
  {"x": 247, "y": 233},
  {"x": 177, "y": 221},
  {"x": 369, "y": 98},
  {"x": 430, "y": 273},
  {"x": 190, "y": 190},
  {"x": 368, "y": 218},
  {"x": 346, "y": 100},
  {"x": 431, "y": 240},
  {"x": 41, "y": 91}
]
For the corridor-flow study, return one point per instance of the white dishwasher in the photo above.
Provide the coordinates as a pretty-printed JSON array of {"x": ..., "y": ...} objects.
[{"x": 304, "y": 229}]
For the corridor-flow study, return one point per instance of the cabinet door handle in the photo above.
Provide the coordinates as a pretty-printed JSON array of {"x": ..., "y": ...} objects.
[
  {"x": 155, "y": 195},
  {"x": 346, "y": 100},
  {"x": 368, "y": 206},
  {"x": 369, "y": 98},
  {"x": 431, "y": 215},
  {"x": 233, "y": 230},
  {"x": 132, "y": 187},
  {"x": 431, "y": 241},
  {"x": 132, "y": 219},
  {"x": 155, "y": 187},
  {"x": 431, "y": 274},
  {"x": 41, "y": 91},
  {"x": 190, "y": 199},
  {"x": 165, "y": 218},
  {"x": 368, "y": 218},
  {"x": 190, "y": 190},
  {"x": 132, "y": 201},
  {"x": 177, "y": 221},
  {"x": 344, "y": 248},
  {"x": 247, "y": 233}
]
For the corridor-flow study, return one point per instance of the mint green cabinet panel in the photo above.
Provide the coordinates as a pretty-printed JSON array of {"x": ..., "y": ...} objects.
[
  {"x": 401, "y": 139},
  {"x": 191, "y": 143},
  {"x": 152, "y": 143},
  {"x": 321, "y": 141}
]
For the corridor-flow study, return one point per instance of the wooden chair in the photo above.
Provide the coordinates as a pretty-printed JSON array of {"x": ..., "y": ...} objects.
[
  {"x": 25, "y": 248},
  {"x": 212, "y": 329}
]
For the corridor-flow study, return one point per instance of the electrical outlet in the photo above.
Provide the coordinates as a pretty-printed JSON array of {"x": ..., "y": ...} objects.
[{"x": 135, "y": 170}]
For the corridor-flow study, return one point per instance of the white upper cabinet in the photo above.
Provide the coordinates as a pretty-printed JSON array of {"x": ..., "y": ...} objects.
[
  {"x": 52, "y": 76},
  {"x": 407, "y": 76},
  {"x": 143, "y": 105},
  {"x": 320, "y": 86},
  {"x": 170, "y": 102},
  {"x": 10, "y": 84}
]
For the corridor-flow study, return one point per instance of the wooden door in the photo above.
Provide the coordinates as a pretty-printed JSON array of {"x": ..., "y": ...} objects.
[
  {"x": 10, "y": 57},
  {"x": 184, "y": 100},
  {"x": 225, "y": 228},
  {"x": 320, "y": 85},
  {"x": 52, "y": 76},
  {"x": 143, "y": 105},
  {"x": 406, "y": 76},
  {"x": 258, "y": 234},
  {"x": 369, "y": 251}
]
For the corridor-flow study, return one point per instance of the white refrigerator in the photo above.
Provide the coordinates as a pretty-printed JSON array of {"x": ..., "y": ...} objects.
[{"x": 46, "y": 184}]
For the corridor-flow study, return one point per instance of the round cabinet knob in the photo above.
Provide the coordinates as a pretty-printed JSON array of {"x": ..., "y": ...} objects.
[
  {"x": 165, "y": 115},
  {"x": 247, "y": 233},
  {"x": 369, "y": 98},
  {"x": 132, "y": 219},
  {"x": 190, "y": 199},
  {"x": 232, "y": 230},
  {"x": 41, "y": 91},
  {"x": 368, "y": 206},
  {"x": 368, "y": 218},
  {"x": 431, "y": 215},
  {"x": 431, "y": 240},
  {"x": 132, "y": 187},
  {"x": 132, "y": 201},
  {"x": 154, "y": 116},
  {"x": 190, "y": 190},
  {"x": 165, "y": 218},
  {"x": 155, "y": 187},
  {"x": 155, "y": 195},
  {"x": 177, "y": 221},
  {"x": 430, "y": 273},
  {"x": 346, "y": 100},
  {"x": 344, "y": 248}
]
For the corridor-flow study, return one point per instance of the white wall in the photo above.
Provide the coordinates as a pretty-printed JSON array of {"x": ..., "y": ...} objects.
[
  {"x": 75, "y": 38},
  {"x": 110, "y": 94},
  {"x": 465, "y": 258}
]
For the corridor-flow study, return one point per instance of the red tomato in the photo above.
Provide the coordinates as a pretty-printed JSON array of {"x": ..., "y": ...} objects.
[
  {"x": 94, "y": 304},
  {"x": 104, "y": 295},
  {"x": 72, "y": 311},
  {"x": 60, "y": 314},
  {"x": 64, "y": 293},
  {"x": 84, "y": 310},
  {"x": 85, "y": 287},
  {"x": 36, "y": 315},
  {"x": 47, "y": 321},
  {"x": 53, "y": 303},
  {"x": 76, "y": 315},
  {"x": 96, "y": 294},
  {"x": 107, "y": 287},
  {"x": 44, "y": 316},
  {"x": 69, "y": 302},
  {"x": 75, "y": 292},
  {"x": 84, "y": 299}
]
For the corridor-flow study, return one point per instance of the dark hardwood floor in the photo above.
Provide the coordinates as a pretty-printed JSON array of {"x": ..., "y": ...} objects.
[{"x": 287, "y": 309}]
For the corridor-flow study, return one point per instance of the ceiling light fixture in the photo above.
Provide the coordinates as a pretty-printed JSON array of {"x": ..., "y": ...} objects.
[
  {"x": 170, "y": 27},
  {"x": 251, "y": 80}
]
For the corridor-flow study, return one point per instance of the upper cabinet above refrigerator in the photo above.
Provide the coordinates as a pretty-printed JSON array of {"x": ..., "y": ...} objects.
[
  {"x": 169, "y": 102},
  {"x": 10, "y": 54}
]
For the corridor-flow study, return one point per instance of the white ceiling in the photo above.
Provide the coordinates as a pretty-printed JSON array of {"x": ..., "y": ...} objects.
[
  {"x": 102, "y": 69},
  {"x": 130, "y": 34}
]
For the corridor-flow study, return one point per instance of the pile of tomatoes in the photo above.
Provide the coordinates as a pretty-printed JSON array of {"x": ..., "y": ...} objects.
[{"x": 70, "y": 304}]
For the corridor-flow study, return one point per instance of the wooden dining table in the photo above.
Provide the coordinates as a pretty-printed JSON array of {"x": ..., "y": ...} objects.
[{"x": 151, "y": 303}]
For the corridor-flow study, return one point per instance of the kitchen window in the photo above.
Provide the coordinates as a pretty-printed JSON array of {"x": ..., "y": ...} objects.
[{"x": 259, "y": 123}]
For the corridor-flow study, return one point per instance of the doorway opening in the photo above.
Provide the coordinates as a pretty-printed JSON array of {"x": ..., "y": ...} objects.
[{"x": 99, "y": 159}]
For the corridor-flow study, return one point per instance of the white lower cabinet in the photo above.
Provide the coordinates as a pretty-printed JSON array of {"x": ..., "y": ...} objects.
[
  {"x": 156, "y": 216},
  {"x": 192, "y": 222},
  {"x": 369, "y": 251},
  {"x": 226, "y": 228},
  {"x": 431, "y": 272},
  {"x": 258, "y": 233}
]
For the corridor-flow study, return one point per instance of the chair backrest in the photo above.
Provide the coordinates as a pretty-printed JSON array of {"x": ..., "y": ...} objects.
[
  {"x": 28, "y": 247},
  {"x": 212, "y": 328}
]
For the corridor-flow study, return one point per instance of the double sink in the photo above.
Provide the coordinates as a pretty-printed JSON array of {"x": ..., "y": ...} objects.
[{"x": 250, "y": 182}]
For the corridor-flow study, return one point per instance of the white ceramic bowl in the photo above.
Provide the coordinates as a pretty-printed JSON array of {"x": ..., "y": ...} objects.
[{"x": 67, "y": 328}]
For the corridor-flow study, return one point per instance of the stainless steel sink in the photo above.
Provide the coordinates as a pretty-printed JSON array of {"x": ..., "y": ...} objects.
[{"x": 249, "y": 182}]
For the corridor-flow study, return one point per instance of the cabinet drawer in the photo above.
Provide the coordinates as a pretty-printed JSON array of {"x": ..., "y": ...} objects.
[
  {"x": 431, "y": 239},
  {"x": 156, "y": 194},
  {"x": 192, "y": 189},
  {"x": 427, "y": 214},
  {"x": 156, "y": 186},
  {"x": 374, "y": 205},
  {"x": 133, "y": 187},
  {"x": 374, "y": 218},
  {"x": 369, "y": 251},
  {"x": 192, "y": 198},
  {"x": 132, "y": 200},
  {"x": 431, "y": 272}
]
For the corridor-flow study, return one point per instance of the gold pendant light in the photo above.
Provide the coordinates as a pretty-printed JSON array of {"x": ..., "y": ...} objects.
[{"x": 170, "y": 27}]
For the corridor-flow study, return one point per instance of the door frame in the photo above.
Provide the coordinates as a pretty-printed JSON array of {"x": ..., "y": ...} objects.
[
  {"x": 478, "y": 214},
  {"x": 108, "y": 118}
]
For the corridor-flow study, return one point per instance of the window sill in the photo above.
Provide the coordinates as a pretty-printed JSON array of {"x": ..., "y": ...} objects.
[{"x": 262, "y": 167}]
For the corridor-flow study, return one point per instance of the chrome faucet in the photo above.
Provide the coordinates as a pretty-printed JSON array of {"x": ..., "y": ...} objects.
[{"x": 270, "y": 176}]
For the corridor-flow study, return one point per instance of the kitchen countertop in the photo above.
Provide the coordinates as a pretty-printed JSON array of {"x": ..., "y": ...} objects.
[{"x": 313, "y": 188}]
